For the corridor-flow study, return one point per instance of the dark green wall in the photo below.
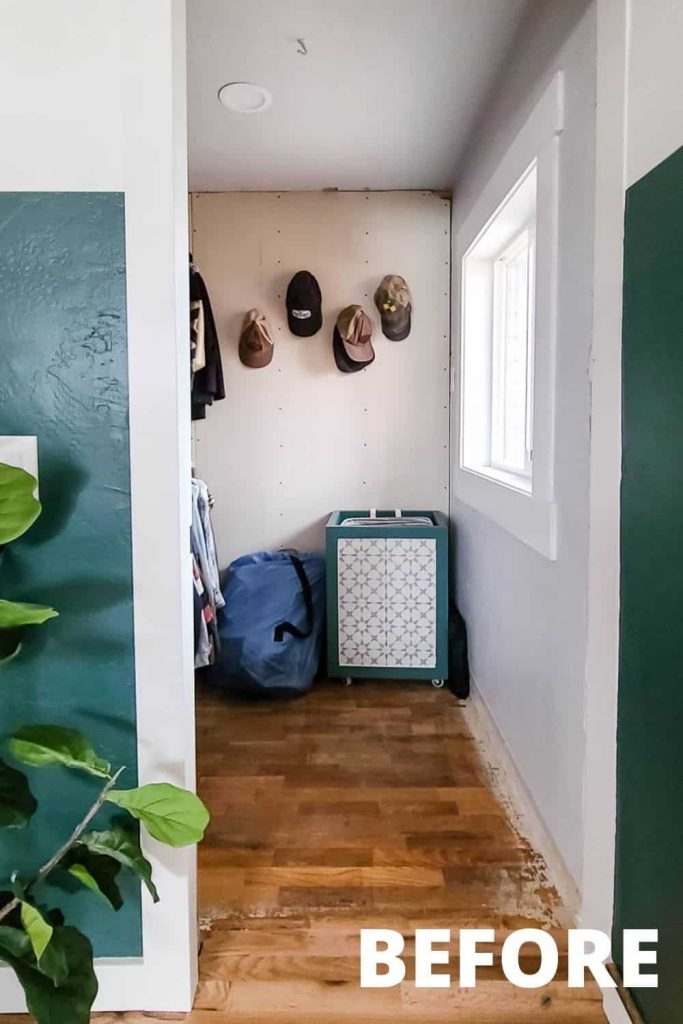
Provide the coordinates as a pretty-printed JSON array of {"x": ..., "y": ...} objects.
[
  {"x": 649, "y": 879},
  {"x": 63, "y": 377}
]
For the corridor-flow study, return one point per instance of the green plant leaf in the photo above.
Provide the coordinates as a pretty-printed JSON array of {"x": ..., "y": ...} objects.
[
  {"x": 173, "y": 816},
  {"x": 122, "y": 845},
  {"x": 19, "y": 509},
  {"x": 14, "y": 613},
  {"x": 37, "y": 928},
  {"x": 17, "y": 802},
  {"x": 95, "y": 871},
  {"x": 71, "y": 998},
  {"x": 15, "y": 942},
  {"x": 41, "y": 745},
  {"x": 54, "y": 962}
]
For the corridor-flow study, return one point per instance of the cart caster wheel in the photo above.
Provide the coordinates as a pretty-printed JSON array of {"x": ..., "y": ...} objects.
[
  {"x": 348, "y": 681},
  {"x": 438, "y": 683}
]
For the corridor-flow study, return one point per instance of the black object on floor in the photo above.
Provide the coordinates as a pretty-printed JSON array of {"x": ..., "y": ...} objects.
[{"x": 458, "y": 663}]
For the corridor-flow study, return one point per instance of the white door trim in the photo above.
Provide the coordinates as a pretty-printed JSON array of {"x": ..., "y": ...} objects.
[{"x": 602, "y": 657}]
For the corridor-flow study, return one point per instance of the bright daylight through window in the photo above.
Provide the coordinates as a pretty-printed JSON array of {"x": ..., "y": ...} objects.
[{"x": 512, "y": 369}]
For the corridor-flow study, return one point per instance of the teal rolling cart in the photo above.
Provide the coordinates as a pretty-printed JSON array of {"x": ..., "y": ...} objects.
[{"x": 387, "y": 595}]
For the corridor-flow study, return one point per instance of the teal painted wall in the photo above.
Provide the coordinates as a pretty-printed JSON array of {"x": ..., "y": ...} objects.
[
  {"x": 63, "y": 377},
  {"x": 649, "y": 876}
]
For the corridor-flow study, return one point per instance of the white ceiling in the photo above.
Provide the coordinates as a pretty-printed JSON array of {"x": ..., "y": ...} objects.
[{"x": 385, "y": 97}]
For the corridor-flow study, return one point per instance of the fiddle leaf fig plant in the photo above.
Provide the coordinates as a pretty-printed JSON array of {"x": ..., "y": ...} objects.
[
  {"x": 40, "y": 745},
  {"x": 19, "y": 509},
  {"x": 53, "y": 961}
]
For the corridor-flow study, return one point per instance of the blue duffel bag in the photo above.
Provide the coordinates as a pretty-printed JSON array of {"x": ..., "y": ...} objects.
[{"x": 271, "y": 629}]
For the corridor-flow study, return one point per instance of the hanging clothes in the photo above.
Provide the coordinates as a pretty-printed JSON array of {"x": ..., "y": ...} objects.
[
  {"x": 207, "y": 368},
  {"x": 204, "y": 652},
  {"x": 204, "y": 542},
  {"x": 197, "y": 346},
  {"x": 207, "y": 588}
]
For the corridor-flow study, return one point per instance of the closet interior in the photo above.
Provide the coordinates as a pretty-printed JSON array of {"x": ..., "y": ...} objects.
[{"x": 331, "y": 585}]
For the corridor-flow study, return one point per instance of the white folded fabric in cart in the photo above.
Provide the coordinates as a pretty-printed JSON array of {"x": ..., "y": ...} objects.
[{"x": 386, "y": 521}]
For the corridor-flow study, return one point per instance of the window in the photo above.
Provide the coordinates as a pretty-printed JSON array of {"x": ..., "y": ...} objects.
[
  {"x": 498, "y": 350},
  {"x": 506, "y": 248}
]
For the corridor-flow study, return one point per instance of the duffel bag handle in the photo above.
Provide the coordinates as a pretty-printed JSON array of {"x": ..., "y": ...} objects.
[{"x": 307, "y": 593}]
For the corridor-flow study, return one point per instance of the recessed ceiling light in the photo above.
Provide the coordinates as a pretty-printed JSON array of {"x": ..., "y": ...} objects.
[{"x": 245, "y": 97}]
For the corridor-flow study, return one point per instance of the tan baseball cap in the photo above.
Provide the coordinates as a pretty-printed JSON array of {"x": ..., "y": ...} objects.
[
  {"x": 394, "y": 303},
  {"x": 352, "y": 342},
  {"x": 256, "y": 345}
]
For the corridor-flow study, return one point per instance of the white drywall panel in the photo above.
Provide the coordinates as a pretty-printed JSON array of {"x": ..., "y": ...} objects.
[
  {"x": 526, "y": 616},
  {"x": 297, "y": 439}
]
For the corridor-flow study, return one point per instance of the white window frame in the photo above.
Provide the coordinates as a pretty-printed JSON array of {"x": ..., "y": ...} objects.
[{"x": 522, "y": 503}]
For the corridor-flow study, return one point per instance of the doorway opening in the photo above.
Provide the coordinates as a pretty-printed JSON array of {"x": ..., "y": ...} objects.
[{"x": 352, "y": 156}]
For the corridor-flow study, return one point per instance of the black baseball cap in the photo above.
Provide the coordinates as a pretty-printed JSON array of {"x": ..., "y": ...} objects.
[{"x": 304, "y": 305}]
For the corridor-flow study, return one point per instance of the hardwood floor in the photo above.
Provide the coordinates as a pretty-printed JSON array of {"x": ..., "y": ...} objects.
[{"x": 356, "y": 807}]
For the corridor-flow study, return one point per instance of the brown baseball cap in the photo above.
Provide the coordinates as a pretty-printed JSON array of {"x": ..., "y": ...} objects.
[
  {"x": 352, "y": 343},
  {"x": 256, "y": 345},
  {"x": 394, "y": 303}
]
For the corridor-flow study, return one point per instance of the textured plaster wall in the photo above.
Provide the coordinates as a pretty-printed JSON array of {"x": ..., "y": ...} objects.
[{"x": 63, "y": 377}]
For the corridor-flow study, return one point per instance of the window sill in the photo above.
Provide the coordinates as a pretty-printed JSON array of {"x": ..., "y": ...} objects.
[
  {"x": 501, "y": 476},
  {"x": 517, "y": 511}
]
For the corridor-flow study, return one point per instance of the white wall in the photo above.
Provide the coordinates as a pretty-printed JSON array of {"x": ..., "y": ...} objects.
[
  {"x": 654, "y": 83},
  {"x": 526, "y": 615},
  {"x": 296, "y": 439},
  {"x": 95, "y": 101}
]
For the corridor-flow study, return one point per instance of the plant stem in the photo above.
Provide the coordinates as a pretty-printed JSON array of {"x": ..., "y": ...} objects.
[{"x": 54, "y": 860}]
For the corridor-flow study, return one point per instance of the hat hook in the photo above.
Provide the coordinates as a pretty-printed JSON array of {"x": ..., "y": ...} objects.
[{"x": 302, "y": 49}]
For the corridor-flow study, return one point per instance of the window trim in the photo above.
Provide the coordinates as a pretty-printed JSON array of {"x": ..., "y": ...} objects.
[{"x": 524, "y": 508}]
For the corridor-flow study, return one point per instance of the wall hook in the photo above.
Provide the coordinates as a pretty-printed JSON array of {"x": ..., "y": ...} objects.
[{"x": 302, "y": 48}]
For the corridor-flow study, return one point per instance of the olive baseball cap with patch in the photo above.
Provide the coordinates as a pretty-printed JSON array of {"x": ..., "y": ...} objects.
[
  {"x": 394, "y": 303},
  {"x": 256, "y": 345},
  {"x": 352, "y": 343},
  {"x": 304, "y": 305}
]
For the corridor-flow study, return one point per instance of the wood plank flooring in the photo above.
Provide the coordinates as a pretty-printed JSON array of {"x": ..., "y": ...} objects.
[{"x": 356, "y": 807}]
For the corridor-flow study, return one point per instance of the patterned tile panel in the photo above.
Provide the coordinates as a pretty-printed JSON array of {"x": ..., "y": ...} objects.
[{"x": 387, "y": 602}]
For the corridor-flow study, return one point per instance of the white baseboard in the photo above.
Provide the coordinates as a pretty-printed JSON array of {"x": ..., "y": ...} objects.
[
  {"x": 120, "y": 989},
  {"x": 511, "y": 789},
  {"x": 123, "y": 985}
]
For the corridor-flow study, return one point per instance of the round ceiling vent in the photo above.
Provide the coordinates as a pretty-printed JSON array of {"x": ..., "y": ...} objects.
[{"x": 245, "y": 97}]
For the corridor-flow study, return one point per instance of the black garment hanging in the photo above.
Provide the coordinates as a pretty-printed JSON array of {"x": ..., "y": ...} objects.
[{"x": 207, "y": 383}]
